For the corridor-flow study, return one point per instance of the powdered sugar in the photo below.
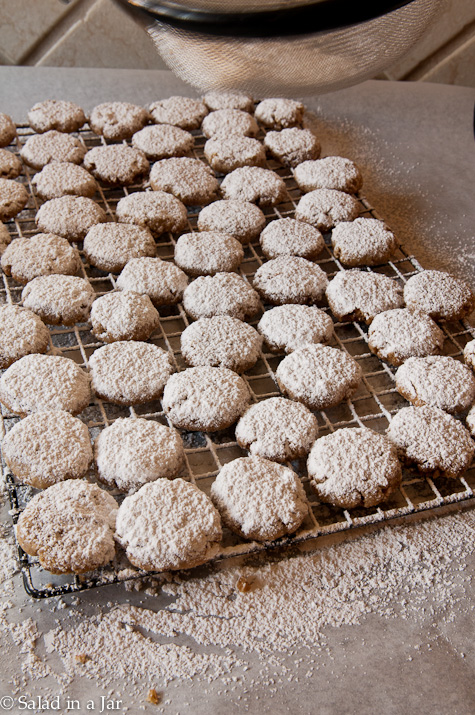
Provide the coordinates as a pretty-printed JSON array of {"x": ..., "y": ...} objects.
[
  {"x": 360, "y": 295},
  {"x": 290, "y": 327},
  {"x": 332, "y": 172},
  {"x": 21, "y": 333},
  {"x": 254, "y": 184},
  {"x": 288, "y": 237},
  {"x": 52, "y": 146},
  {"x": 156, "y": 210},
  {"x": 208, "y": 252},
  {"x": 437, "y": 380},
  {"x": 69, "y": 216},
  {"x": 163, "y": 140},
  {"x": 58, "y": 299},
  {"x": 117, "y": 120},
  {"x": 241, "y": 219},
  {"x": 117, "y": 164},
  {"x": 292, "y": 146},
  {"x": 290, "y": 279},
  {"x": 398, "y": 334},
  {"x": 42, "y": 254},
  {"x": 364, "y": 241},
  {"x": 182, "y": 112},
  {"x": 162, "y": 281},
  {"x": 221, "y": 294},
  {"x": 225, "y": 153},
  {"x": 109, "y": 246},
  {"x": 224, "y": 122},
  {"x": 63, "y": 178},
  {"x": 440, "y": 295},
  {"x": 324, "y": 208},
  {"x": 190, "y": 180},
  {"x": 123, "y": 315}
]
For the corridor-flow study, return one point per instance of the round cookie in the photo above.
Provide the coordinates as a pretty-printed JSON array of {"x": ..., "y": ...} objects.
[
  {"x": 277, "y": 429},
  {"x": 440, "y": 295},
  {"x": 241, "y": 219},
  {"x": 117, "y": 164},
  {"x": 363, "y": 242},
  {"x": 354, "y": 468},
  {"x": 56, "y": 114},
  {"x": 221, "y": 341},
  {"x": 224, "y": 122},
  {"x": 254, "y": 184},
  {"x": 110, "y": 246},
  {"x": 288, "y": 237},
  {"x": 292, "y": 146},
  {"x": 44, "y": 382},
  {"x": 5, "y": 238},
  {"x": 182, "y": 112},
  {"x": 398, "y": 334},
  {"x": 156, "y": 210},
  {"x": 10, "y": 165},
  {"x": 129, "y": 372},
  {"x": 117, "y": 120},
  {"x": 190, "y": 180},
  {"x": 168, "y": 525},
  {"x": 324, "y": 208},
  {"x": 360, "y": 295},
  {"x": 437, "y": 380},
  {"x": 432, "y": 440},
  {"x": 319, "y": 376},
  {"x": 69, "y": 216},
  {"x": 221, "y": 294},
  {"x": 290, "y": 279},
  {"x": 21, "y": 333},
  {"x": 40, "y": 255},
  {"x": 7, "y": 130},
  {"x": 226, "y": 153},
  {"x": 207, "y": 253},
  {"x": 123, "y": 315},
  {"x": 332, "y": 172},
  {"x": 279, "y": 113},
  {"x": 161, "y": 141},
  {"x": 131, "y": 452},
  {"x": 59, "y": 300},
  {"x": 48, "y": 447},
  {"x": 469, "y": 354},
  {"x": 229, "y": 100},
  {"x": 163, "y": 282},
  {"x": 51, "y": 147},
  {"x": 289, "y": 327},
  {"x": 259, "y": 499},
  {"x": 13, "y": 198},
  {"x": 63, "y": 179},
  {"x": 70, "y": 527},
  {"x": 205, "y": 398}
]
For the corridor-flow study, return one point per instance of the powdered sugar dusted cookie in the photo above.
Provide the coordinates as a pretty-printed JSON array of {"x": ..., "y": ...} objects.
[
  {"x": 129, "y": 372},
  {"x": 259, "y": 499},
  {"x": 5, "y": 238},
  {"x": 290, "y": 327},
  {"x": 288, "y": 237},
  {"x": 70, "y": 216},
  {"x": 182, "y": 112},
  {"x": 205, "y": 398},
  {"x": 469, "y": 354},
  {"x": 70, "y": 527},
  {"x": 221, "y": 294},
  {"x": 292, "y": 146},
  {"x": 168, "y": 525},
  {"x": 123, "y": 315},
  {"x": 277, "y": 429},
  {"x": 255, "y": 184},
  {"x": 324, "y": 208},
  {"x": 437, "y": 380},
  {"x": 279, "y": 113},
  {"x": 131, "y": 452},
  {"x": 10, "y": 165},
  {"x": 52, "y": 146},
  {"x": 290, "y": 279},
  {"x": 40, "y": 255},
  {"x": 319, "y": 376},
  {"x": 44, "y": 382},
  {"x": 13, "y": 198},
  {"x": 110, "y": 246},
  {"x": 398, "y": 334},
  {"x": 241, "y": 219},
  {"x": 226, "y": 153},
  {"x": 207, "y": 253},
  {"x": 440, "y": 295},
  {"x": 229, "y": 100},
  {"x": 56, "y": 114},
  {"x": 332, "y": 172},
  {"x": 117, "y": 164},
  {"x": 156, "y": 210},
  {"x": 221, "y": 341},
  {"x": 117, "y": 120},
  {"x": 62, "y": 179},
  {"x": 225, "y": 122},
  {"x": 360, "y": 295},
  {"x": 161, "y": 141},
  {"x": 363, "y": 242},
  {"x": 7, "y": 129},
  {"x": 21, "y": 333},
  {"x": 59, "y": 300},
  {"x": 354, "y": 467},
  {"x": 162, "y": 281},
  {"x": 48, "y": 447},
  {"x": 432, "y": 440},
  {"x": 190, "y": 180}
]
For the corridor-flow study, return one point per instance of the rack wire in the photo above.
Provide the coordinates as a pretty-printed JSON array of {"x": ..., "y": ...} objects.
[{"x": 373, "y": 405}]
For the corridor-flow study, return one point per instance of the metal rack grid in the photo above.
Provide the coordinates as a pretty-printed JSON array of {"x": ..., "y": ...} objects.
[{"x": 372, "y": 406}]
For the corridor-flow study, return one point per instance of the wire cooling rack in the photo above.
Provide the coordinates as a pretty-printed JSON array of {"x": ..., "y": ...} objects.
[{"x": 372, "y": 406}]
